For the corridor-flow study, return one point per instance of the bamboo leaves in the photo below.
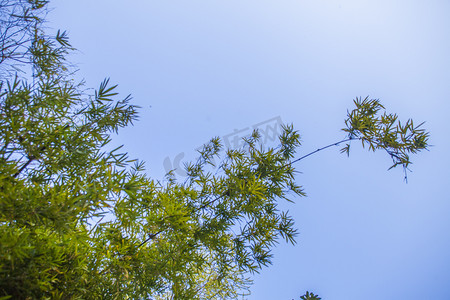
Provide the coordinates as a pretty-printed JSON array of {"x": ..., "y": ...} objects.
[{"x": 384, "y": 132}]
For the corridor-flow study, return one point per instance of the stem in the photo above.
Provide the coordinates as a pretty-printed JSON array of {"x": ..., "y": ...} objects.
[
  {"x": 320, "y": 149},
  {"x": 150, "y": 237},
  {"x": 30, "y": 159},
  {"x": 23, "y": 167}
]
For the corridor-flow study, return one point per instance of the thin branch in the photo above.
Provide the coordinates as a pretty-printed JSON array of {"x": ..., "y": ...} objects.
[
  {"x": 151, "y": 236},
  {"x": 30, "y": 159},
  {"x": 320, "y": 149}
]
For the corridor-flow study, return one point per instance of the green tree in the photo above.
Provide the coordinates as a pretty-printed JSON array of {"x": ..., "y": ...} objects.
[
  {"x": 81, "y": 221},
  {"x": 310, "y": 296}
]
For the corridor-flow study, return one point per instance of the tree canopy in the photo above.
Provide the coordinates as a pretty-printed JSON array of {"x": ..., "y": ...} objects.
[{"x": 79, "y": 220}]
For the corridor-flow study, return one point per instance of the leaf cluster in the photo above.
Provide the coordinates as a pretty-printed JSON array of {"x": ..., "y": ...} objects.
[
  {"x": 310, "y": 296},
  {"x": 384, "y": 131},
  {"x": 20, "y": 25}
]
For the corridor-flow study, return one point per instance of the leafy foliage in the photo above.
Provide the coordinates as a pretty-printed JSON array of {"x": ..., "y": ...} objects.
[
  {"x": 384, "y": 132},
  {"x": 81, "y": 221},
  {"x": 310, "y": 296},
  {"x": 23, "y": 42}
]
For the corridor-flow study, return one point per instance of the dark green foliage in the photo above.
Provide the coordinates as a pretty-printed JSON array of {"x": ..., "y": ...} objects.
[
  {"x": 310, "y": 296},
  {"x": 78, "y": 221}
]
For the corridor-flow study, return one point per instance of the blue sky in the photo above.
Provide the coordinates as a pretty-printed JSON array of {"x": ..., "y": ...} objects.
[{"x": 206, "y": 68}]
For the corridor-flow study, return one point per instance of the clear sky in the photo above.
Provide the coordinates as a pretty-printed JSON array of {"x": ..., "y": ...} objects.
[{"x": 207, "y": 68}]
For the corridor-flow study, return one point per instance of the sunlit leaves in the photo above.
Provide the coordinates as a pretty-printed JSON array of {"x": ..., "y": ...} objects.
[
  {"x": 384, "y": 131},
  {"x": 241, "y": 200}
]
